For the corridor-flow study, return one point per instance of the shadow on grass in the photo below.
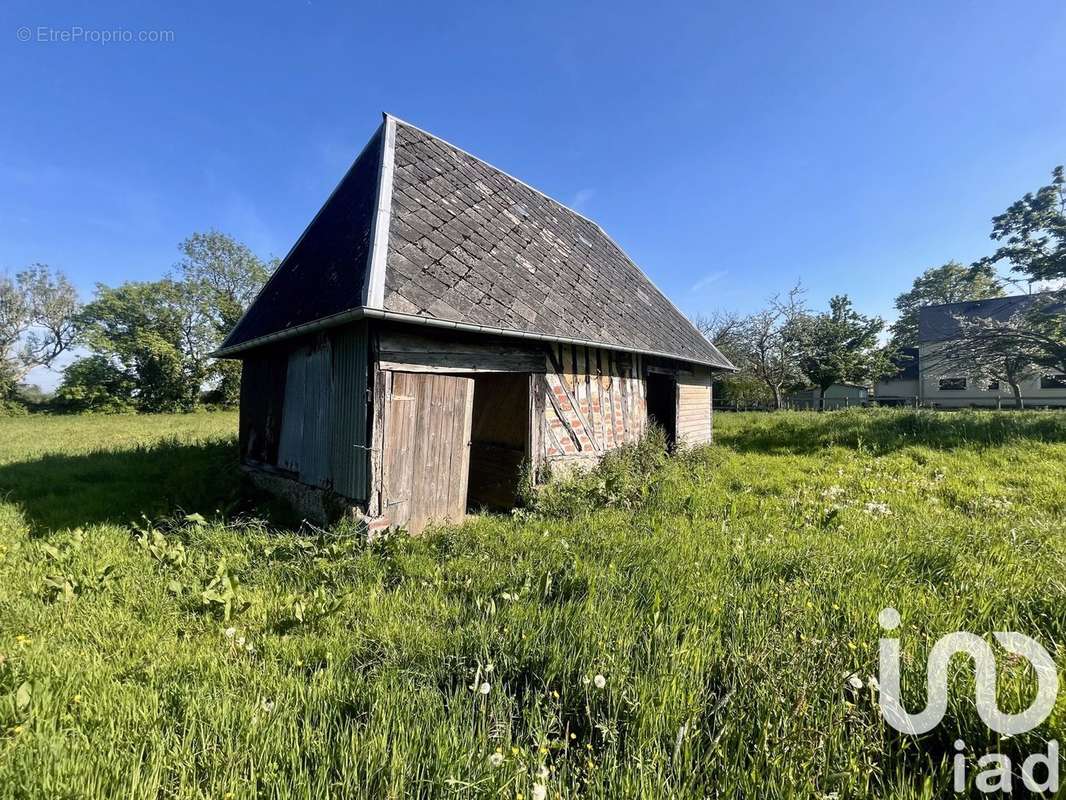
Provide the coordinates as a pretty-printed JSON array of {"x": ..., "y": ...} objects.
[
  {"x": 887, "y": 430},
  {"x": 60, "y": 491}
]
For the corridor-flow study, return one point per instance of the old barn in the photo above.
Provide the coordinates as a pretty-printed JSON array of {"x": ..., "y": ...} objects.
[{"x": 439, "y": 328}]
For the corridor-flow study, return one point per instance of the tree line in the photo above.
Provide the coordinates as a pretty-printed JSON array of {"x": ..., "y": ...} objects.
[
  {"x": 146, "y": 345},
  {"x": 786, "y": 345},
  {"x": 142, "y": 345}
]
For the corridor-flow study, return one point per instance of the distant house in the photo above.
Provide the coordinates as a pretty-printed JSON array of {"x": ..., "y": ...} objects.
[
  {"x": 441, "y": 329},
  {"x": 901, "y": 387},
  {"x": 945, "y": 384},
  {"x": 837, "y": 396}
]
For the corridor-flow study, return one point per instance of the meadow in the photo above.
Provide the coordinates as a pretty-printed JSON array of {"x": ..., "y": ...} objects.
[{"x": 698, "y": 625}]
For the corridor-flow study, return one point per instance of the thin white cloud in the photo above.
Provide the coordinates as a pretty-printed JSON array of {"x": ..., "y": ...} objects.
[
  {"x": 581, "y": 199},
  {"x": 707, "y": 280}
]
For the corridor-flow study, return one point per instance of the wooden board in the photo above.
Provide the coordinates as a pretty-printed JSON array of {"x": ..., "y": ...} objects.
[
  {"x": 694, "y": 409},
  {"x": 426, "y": 448},
  {"x": 414, "y": 352}
]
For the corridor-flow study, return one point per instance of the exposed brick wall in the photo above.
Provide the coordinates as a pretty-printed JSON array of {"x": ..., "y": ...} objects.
[{"x": 595, "y": 402}]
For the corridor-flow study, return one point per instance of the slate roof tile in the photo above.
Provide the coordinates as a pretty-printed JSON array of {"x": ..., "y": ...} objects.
[{"x": 470, "y": 244}]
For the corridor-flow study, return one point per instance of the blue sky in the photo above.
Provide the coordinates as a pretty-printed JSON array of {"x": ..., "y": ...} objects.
[{"x": 730, "y": 148}]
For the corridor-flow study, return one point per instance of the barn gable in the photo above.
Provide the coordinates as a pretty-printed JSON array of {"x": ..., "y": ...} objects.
[
  {"x": 326, "y": 271},
  {"x": 423, "y": 232}
]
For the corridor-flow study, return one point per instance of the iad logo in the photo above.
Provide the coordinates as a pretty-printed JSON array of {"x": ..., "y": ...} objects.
[{"x": 984, "y": 661}]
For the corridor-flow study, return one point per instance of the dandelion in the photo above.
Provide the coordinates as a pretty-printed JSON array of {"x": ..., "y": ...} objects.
[
  {"x": 485, "y": 688},
  {"x": 600, "y": 681},
  {"x": 21, "y": 640},
  {"x": 77, "y": 699},
  {"x": 496, "y": 759},
  {"x": 515, "y": 751},
  {"x": 230, "y": 632},
  {"x": 540, "y": 791}
]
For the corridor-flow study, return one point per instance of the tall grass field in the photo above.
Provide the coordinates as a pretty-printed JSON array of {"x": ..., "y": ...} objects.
[{"x": 698, "y": 625}]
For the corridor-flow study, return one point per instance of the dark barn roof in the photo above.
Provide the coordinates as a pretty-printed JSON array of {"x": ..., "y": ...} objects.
[
  {"x": 456, "y": 242},
  {"x": 939, "y": 323}
]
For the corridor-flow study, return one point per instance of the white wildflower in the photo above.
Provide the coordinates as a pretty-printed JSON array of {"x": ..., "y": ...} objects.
[
  {"x": 542, "y": 772},
  {"x": 875, "y": 509},
  {"x": 240, "y": 641},
  {"x": 230, "y": 632},
  {"x": 600, "y": 681},
  {"x": 485, "y": 688},
  {"x": 540, "y": 791},
  {"x": 266, "y": 704},
  {"x": 496, "y": 759}
]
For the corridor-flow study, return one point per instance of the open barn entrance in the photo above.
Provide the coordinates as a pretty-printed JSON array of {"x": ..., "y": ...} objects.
[
  {"x": 662, "y": 404},
  {"x": 499, "y": 436}
]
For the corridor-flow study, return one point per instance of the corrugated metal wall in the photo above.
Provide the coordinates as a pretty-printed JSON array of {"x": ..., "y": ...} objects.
[
  {"x": 292, "y": 414},
  {"x": 324, "y": 411},
  {"x": 318, "y": 396},
  {"x": 348, "y": 454}
]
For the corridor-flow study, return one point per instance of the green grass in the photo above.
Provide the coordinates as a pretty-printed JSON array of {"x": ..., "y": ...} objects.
[{"x": 724, "y": 594}]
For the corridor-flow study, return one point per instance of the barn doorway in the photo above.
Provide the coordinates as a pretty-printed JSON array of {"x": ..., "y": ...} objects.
[
  {"x": 662, "y": 404},
  {"x": 499, "y": 437}
]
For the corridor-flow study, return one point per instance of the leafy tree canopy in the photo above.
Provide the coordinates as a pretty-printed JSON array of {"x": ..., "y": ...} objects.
[
  {"x": 157, "y": 336},
  {"x": 37, "y": 311},
  {"x": 841, "y": 346},
  {"x": 1033, "y": 232},
  {"x": 950, "y": 283}
]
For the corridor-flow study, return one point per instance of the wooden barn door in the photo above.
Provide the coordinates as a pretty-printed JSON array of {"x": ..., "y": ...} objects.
[{"x": 426, "y": 448}]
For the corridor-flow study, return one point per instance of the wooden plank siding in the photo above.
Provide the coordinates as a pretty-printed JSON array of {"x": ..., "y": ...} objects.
[
  {"x": 694, "y": 408},
  {"x": 408, "y": 351}
]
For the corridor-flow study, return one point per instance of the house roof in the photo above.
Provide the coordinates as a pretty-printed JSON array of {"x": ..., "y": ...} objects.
[
  {"x": 940, "y": 322},
  {"x": 421, "y": 231}
]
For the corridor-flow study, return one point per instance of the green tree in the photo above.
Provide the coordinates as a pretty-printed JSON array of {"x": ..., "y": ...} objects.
[
  {"x": 1033, "y": 232},
  {"x": 949, "y": 283},
  {"x": 157, "y": 336},
  {"x": 37, "y": 312},
  {"x": 224, "y": 276},
  {"x": 95, "y": 384},
  {"x": 841, "y": 346}
]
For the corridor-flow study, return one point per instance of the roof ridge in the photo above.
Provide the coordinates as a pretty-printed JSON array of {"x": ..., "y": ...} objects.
[{"x": 548, "y": 197}]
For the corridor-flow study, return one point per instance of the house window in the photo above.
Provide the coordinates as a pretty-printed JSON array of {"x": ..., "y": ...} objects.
[
  {"x": 993, "y": 386},
  {"x": 1053, "y": 382},
  {"x": 952, "y": 384}
]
